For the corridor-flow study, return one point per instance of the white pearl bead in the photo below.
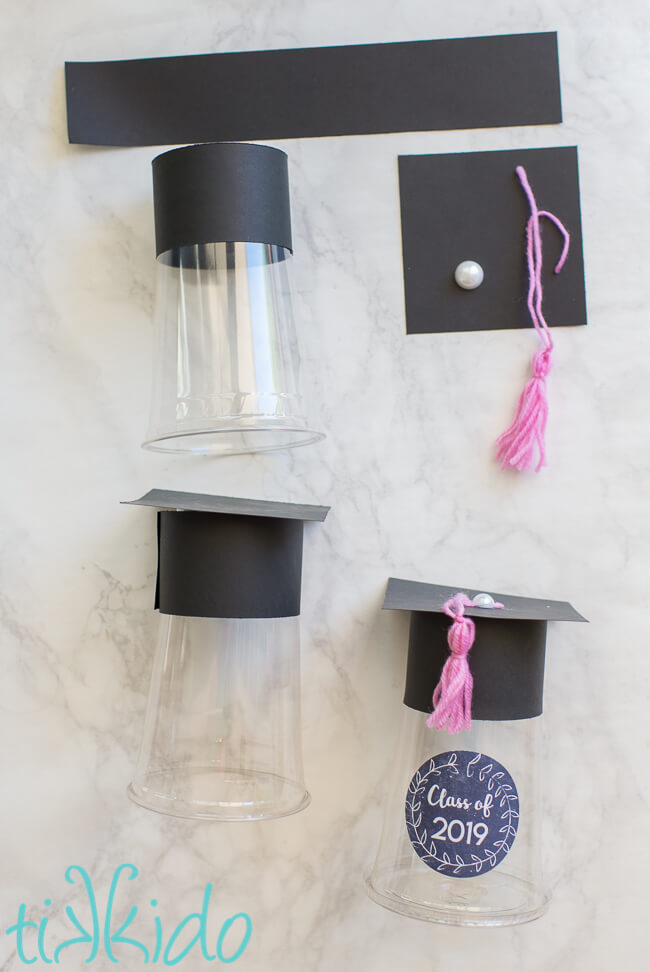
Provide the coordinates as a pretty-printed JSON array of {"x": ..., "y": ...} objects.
[
  {"x": 469, "y": 275},
  {"x": 483, "y": 601}
]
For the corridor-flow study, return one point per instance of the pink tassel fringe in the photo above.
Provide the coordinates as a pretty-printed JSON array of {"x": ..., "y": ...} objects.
[{"x": 452, "y": 698}]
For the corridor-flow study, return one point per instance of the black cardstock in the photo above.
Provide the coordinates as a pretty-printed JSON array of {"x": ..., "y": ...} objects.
[
  {"x": 172, "y": 499},
  {"x": 218, "y": 565},
  {"x": 407, "y": 595},
  {"x": 222, "y": 557},
  {"x": 506, "y": 660},
  {"x": 221, "y": 192},
  {"x": 471, "y": 206},
  {"x": 471, "y": 82}
]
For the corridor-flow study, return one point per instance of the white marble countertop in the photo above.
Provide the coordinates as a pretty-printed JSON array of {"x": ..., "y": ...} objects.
[{"x": 407, "y": 467}]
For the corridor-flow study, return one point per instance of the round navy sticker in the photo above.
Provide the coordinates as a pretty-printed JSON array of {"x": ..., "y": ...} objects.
[{"x": 462, "y": 812}]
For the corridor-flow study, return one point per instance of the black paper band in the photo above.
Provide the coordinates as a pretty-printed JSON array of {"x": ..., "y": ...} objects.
[
  {"x": 506, "y": 661},
  {"x": 218, "y": 565},
  {"x": 220, "y": 193},
  {"x": 471, "y": 82}
]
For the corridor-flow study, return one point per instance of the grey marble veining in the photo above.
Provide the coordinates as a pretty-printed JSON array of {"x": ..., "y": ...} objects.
[{"x": 407, "y": 468}]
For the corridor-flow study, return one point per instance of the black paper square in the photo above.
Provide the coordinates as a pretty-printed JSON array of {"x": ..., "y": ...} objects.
[
  {"x": 408, "y": 595},
  {"x": 471, "y": 206},
  {"x": 171, "y": 499}
]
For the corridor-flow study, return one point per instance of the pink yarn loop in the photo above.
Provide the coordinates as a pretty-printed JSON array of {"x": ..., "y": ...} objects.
[{"x": 525, "y": 438}]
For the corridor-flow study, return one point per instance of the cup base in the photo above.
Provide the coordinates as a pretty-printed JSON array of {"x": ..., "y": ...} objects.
[
  {"x": 210, "y": 793},
  {"x": 233, "y": 440},
  {"x": 502, "y": 900}
]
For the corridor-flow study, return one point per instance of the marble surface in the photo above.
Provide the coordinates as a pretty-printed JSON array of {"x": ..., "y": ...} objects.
[{"x": 407, "y": 467}]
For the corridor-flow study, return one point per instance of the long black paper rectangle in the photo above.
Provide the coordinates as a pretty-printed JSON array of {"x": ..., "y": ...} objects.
[
  {"x": 471, "y": 82},
  {"x": 471, "y": 206}
]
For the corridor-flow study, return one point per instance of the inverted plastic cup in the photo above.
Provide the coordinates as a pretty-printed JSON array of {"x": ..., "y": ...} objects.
[{"x": 222, "y": 735}]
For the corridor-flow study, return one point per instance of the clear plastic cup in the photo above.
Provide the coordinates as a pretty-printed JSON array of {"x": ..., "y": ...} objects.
[
  {"x": 225, "y": 365},
  {"x": 481, "y": 885},
  {"x": 222, "y": 736}
]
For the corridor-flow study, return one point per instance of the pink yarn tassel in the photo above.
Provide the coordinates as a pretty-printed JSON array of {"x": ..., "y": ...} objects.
[
  {"x": 452, "y": 698},
  {"x": 525, "y": 438}
]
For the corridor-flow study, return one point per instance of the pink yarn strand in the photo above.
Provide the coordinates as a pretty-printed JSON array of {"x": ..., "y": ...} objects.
[
  {"x": 452, "y": 698},
  {"x": 525, "y": 439}
]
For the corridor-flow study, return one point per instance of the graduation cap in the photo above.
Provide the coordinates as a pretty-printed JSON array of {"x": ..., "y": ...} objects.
[
  {"x": 222, "y": 734},
  {"x": 461, "y": 842},
  {"x": 506, "y": 661},
  {"x": 225, "y": 557}
]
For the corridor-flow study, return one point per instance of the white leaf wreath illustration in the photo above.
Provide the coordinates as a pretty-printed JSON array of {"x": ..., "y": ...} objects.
[{"x": 506, "y": 800}]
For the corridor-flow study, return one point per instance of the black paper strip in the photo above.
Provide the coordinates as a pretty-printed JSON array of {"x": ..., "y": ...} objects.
[
  {"x": 220, "y": 565},
  {"x": 470, "y": 206},
  {"x": 472, "y": 82},
  {"x": 506, "y": 661},
  {"x": 221, "y": 192}
]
